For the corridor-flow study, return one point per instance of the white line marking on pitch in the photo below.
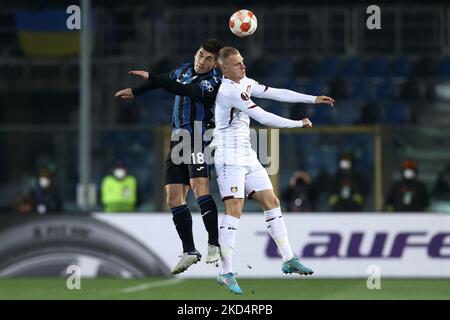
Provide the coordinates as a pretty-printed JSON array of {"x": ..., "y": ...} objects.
[{"x": 145, "y": 286}]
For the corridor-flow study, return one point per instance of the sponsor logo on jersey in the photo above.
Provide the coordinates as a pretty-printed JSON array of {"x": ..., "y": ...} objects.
[
  {"x": 207, "y": 86},
  {"x": 245, "y": 96}
]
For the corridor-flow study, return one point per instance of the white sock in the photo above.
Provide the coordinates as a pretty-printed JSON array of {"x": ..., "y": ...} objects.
[
  {"x": 278, "y": 232},
  {"x": 227, "y": 237}
]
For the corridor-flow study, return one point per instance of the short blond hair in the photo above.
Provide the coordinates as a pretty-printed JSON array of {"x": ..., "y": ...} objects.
[{"x": 225, "y": 52}]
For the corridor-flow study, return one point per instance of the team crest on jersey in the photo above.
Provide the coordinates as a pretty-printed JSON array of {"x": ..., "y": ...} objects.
[
  {"x": 207, "y": 86},
  {"x": 245, "y": 96},
  {"x": 234, "y": 189}
]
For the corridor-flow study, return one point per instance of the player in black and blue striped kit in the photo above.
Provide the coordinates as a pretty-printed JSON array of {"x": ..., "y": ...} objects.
[{"x": 195, "y": 86}]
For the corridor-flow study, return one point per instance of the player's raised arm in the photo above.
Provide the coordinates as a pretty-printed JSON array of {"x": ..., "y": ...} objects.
[
  {"x": 192, "y": 90},
  {"x": 242, "y": 102},
  {"x": 273, "y": 121},
  {"x": 129, "y": 93},
  {"x": 168, "y": 83},
  {"x": 286, "y": 95},
  {"x": 150, "y": 84}
]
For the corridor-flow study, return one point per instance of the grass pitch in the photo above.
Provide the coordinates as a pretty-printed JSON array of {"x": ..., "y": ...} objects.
[{"x": 207, "y": 289}]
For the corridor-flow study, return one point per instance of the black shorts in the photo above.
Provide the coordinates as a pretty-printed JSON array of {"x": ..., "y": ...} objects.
[{"x": 183, "y": 172}]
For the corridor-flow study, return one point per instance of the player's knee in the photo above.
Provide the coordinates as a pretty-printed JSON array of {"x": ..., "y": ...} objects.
[
  {"x": 173, "y": 202},
  {"x": 271, "y": 203},
  {"x": 200, "y": 187},
  {"x": 200, "y": 191},
  {"x": 274, "y": 202},
  {"x": 234, "y": 212}
]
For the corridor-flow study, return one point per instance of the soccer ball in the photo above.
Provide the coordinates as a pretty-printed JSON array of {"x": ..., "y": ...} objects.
[{"x": 243, "y": 23}]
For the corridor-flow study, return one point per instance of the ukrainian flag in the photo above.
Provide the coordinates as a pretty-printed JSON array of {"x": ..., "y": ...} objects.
[{"x": 44, "y": 34}]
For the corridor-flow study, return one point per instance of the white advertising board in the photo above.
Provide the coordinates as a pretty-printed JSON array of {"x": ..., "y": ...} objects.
[{"x": 333, "y": 245}]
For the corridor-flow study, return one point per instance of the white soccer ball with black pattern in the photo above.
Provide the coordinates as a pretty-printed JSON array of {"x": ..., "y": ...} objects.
[{"x": 243, "y": 23}]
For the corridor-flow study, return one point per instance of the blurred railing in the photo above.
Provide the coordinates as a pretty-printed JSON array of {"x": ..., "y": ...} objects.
[
  {"x": 56, "y": 147},
  {"x": 143, "y": 148}
]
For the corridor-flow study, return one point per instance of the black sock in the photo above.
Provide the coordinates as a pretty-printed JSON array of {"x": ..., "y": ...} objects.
[
  {"x": 210, "y": 218},
  {"x": 183, "y": 223}
]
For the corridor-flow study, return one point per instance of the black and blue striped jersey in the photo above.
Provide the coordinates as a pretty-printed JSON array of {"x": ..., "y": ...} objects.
[{"x": 200, "y": 107}]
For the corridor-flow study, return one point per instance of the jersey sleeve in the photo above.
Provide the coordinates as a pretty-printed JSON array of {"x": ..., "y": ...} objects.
[
  {"x": 188, "y": 90},
  {"x": 271, "y": 120},
  {"x": 238, "y": 99},
  {"x": 175, "y": 73},
  {"x": 258, "y": 89},
  {"x": 283, "y": 95},
  {"x": 172, "y": 75}
]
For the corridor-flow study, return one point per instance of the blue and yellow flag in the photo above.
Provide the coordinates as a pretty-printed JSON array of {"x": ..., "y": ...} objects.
[{"x": 44, "y": 34}]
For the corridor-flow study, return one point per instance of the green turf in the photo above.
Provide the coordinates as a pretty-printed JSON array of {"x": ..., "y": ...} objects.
[{"x": 207, "y": 289}]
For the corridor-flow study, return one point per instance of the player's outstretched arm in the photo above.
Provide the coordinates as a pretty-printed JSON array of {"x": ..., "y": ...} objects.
[
  {"x": 191, "y": 90},
  {"x": 129, "y": 93},
  {"x": 272, "y": 120},
  {"x": 165, "y": 82},
  {"x": 150, "y": 83},
  {"x": 285, "y": 95}
]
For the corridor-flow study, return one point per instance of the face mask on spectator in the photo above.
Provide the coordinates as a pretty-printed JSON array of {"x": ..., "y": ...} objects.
[
  {"x": 345, "y": 164},
  {"x": 119, "y": 173},
  {"x": 409, "y": 174},
  {"x": 44, "y": 182}
]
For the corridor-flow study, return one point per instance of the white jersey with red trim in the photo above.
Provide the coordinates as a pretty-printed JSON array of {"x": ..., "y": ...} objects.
[
  {"x": 232, "y": 132},
  {"x": 233, "y": 110}
]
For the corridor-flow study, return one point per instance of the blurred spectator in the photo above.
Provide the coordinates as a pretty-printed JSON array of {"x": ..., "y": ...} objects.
[
  {"x": 119, "y": 190},
  {"x": 408, "y": 194},
  {"x": 43, "y": 198},
  {"x": 348, "y": 188},
  {"x": 301, "y": 194},
  {"x": 441, "y": 189}
]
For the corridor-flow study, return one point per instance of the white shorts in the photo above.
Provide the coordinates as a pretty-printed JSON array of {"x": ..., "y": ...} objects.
[{"x": 239, "y": 181}]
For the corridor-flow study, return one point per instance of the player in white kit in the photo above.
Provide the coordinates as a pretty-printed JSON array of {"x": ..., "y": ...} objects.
[{"x": 239, "y": 172}]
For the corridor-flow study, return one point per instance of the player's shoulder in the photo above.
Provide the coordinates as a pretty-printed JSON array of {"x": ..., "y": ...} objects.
[
  {"x": 215, "y": 73},
  {"x": 184, "y": 66},
  {"x": 228, "y": 87},
  {"x": 249, "y": 80},
  {"x": 214, "y": 77}
]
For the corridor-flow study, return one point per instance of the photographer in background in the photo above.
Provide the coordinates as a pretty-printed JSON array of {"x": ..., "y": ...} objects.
[
  {"x": 301, "y": 195},
  {"x": 43, "y": 198},
  {"x": 408, "y": 194},
  {"x": 348, "y": 188}
]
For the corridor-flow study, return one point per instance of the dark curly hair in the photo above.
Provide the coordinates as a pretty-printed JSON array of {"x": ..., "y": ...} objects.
[{"x": 212, "y": 45}]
